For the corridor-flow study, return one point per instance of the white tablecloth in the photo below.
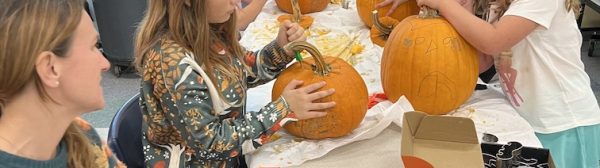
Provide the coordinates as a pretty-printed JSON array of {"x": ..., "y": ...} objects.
[{"x": 376, "y": 143}]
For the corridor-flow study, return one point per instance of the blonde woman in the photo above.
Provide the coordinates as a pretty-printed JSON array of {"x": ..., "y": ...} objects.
[
  {"x": 49, "y": 76},
  {"x": 195, "y": 78}
]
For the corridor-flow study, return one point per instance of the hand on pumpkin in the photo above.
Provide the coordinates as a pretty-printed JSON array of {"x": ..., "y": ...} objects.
[
  {"x": 290, "y": 32},
  {"x": 436, "y": 4},
  {"x": 300, "y": 100},
  {"x": 395, "y": 5}
]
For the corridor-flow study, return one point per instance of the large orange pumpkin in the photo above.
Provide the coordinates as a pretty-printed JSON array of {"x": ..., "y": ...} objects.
[
  {"x": 404, "y": 10},
  {"x": 427, "y": 61},
  {"x": 351, "y": 96},
  {"x": 306, "y": 6}
]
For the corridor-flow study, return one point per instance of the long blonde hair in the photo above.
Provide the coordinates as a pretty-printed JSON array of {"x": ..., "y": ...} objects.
[
  {"x": 482, "y": 8},
  {"x": 28, "y": 28},
  {"x": 186, "y": 23}
]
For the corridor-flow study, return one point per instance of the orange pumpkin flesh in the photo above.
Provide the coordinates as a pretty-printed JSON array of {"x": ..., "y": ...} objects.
[
  {"x": 427, "y": 61},
  {"x": 364, "y": 8},
  {"x": 351, "y": 94},
  {"x": 306, "y": 6}
]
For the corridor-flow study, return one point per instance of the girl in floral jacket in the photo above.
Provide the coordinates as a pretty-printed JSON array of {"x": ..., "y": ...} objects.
[{"x": 195, "y": 78}]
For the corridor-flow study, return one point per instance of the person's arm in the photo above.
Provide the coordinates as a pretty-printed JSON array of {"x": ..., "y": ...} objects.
[
  {"x": 488, "y": 38},
  {"x": 394, "y": 3},
  {"x": 191, "y": 102},
  {"x": 267, "y": 63},
  {"x": 247, "y": 14}
]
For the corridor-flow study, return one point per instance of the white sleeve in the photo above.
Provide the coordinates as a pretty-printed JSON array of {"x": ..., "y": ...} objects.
[{"x": 539, "y": 11}]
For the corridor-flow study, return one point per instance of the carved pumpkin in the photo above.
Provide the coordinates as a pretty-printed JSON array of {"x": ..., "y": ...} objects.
[
  {"x": 427, "y": 61},
  {"x": 306, "y": 6},
  {"x": 404, "y": 10},
  {"x": 351, "y": 95},
  {"x": 382, "y": 28}
]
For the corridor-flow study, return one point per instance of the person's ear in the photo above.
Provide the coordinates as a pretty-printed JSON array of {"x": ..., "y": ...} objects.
[{"x": 48, "y": 69}]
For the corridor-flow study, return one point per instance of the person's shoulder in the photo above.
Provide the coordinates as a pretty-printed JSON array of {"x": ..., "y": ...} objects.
[
  {"x": 535, "y": 4},
  {"x": 167, "y": 55},
  {"x": 171, "y": 49}
]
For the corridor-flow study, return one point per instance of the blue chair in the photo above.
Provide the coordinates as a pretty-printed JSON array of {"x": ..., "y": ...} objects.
[{"x": 125, "y": 133}]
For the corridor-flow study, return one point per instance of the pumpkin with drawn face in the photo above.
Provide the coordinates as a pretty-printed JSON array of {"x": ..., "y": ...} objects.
[{"x": 427, "y": 61}]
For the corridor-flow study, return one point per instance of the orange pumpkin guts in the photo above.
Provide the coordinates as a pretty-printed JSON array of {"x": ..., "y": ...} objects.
[
  {"x": 365, "y": 8},
  {"x": 427, "y": 61},
  {"x": 306, "y": 6},
  {"x": 351, "y": 95},
  {"x": 382, "y": 28}
]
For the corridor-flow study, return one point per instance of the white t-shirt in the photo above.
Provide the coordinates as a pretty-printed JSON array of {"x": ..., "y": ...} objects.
[{"x": 545, "y": 79}]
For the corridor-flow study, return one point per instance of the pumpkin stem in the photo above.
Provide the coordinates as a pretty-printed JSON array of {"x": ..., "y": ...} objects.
[
  {"x": 320, "y": 68},
  {"x": 427, "y": 12},
  {"x": 386, "y": 30},
  {"x": 346, "y": 4},
  {"x": 297, "y": 14}
]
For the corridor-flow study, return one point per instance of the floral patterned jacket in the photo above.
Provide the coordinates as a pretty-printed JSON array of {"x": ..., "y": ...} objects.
[{"x": 186, "y": 123}]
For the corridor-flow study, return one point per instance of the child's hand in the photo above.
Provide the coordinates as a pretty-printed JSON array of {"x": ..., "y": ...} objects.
[
  {"x": 437, "y": 4},
  {"x": 433, "y": 4},
  {"x": 388, "y": 2},
  {"x": 300, "y": 100},
  {"x": 290, "y": 32}
]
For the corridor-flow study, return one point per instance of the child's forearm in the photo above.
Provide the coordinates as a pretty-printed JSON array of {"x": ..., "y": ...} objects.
[
  {"x": 487, "y": 38},
  {"x": 477, "y": 32},
  {"x": 249, "y": 13}
]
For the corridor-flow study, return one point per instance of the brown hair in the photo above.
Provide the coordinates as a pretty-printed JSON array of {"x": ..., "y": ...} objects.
[
  {"x": 482, "y": 8},
  {"x": 186, "y": 23},
  {"x": 28, "y": 28}
]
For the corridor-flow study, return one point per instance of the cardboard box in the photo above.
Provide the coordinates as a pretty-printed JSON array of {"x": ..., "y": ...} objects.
[
  {"x": 443, "y": 141},
  {"x": 531, "y": 157}
]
